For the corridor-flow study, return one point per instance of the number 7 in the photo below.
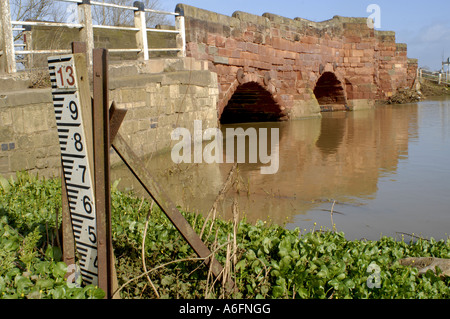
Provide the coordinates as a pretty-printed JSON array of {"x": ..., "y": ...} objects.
[{"x": 83, "y": 167}]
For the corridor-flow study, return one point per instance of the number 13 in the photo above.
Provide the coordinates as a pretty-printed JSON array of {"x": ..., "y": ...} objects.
[{"x": 66, "y": 73}]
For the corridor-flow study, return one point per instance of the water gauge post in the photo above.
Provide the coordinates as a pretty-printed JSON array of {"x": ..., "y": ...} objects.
[
  {"x": 85, "y": 171},
  {"x": 88, "y": 128}
]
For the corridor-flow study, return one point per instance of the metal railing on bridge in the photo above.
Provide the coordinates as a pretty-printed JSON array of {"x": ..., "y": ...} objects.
[
  {"x": 437, "y": 77},
  {"x": 10, "y": 51}
]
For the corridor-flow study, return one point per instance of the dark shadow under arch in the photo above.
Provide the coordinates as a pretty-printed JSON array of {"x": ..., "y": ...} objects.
[
  {"x": 251, "y": 103},
  {"x": 329, "y": 92}
]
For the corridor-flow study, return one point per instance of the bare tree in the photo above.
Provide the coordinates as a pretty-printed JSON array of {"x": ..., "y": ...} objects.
[
  {"x": 121, "y": 17},
  {"x": 35, "y": 10},
  {"x": 51, "y": 10},
  {"x": 22, "y": 10}
]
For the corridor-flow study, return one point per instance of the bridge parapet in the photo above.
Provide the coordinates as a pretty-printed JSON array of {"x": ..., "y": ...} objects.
[{"x": 288, "y": 57}]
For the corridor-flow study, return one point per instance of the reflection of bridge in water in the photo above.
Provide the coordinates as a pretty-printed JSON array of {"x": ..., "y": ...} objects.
[{"x": 341, "y": 156}]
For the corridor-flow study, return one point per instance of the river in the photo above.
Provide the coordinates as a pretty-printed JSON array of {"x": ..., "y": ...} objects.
[{"x": 383, "y": 172}]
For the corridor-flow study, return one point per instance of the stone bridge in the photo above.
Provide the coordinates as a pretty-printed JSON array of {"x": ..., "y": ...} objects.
[
  {"x": 274, "y": 68},
  {"x": 241, "y": 68}
]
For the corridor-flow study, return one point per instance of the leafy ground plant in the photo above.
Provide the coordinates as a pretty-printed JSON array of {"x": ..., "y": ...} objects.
[
  {"x": 27, "y": 272},
  {"x": 265, "y": 261}
]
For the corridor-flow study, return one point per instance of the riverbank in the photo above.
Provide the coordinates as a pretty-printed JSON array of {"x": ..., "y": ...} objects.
[
  {"x": 265, "y": 261},
  {"x": 428, "y": 89},
  {"x": 431, "y": 89}
]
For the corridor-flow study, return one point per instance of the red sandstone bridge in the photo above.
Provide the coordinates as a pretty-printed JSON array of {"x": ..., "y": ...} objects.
[{"x": 269, "y": 67}]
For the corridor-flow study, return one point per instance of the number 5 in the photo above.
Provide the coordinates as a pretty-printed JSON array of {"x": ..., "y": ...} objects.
[{"x": 91, "y": 232}]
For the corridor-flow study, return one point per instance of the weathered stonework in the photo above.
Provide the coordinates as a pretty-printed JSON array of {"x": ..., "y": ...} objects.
[
  {"x": 288, "y": 57},
  {"x": 239, "y": 68},
  {"x": 159, "y": 94},
  {"x": 157, "y": 103}
]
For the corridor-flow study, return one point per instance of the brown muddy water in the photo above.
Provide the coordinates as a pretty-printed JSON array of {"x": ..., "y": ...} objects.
[{"x": 386, "y": 170}]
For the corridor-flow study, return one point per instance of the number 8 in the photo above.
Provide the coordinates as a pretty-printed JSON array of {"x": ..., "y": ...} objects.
[{"x": 78, "y": 144}]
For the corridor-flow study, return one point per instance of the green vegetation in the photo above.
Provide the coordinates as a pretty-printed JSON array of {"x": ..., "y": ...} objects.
[{"x": 266, "y": 261}]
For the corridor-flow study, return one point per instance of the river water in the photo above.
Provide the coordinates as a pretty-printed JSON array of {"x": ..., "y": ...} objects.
[{"x": 383, "y": 172}]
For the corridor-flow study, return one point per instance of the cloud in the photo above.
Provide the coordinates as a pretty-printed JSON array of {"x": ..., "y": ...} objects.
[
  {"x": 429, "y": 44},
  {"x": 436, "y": 33}
]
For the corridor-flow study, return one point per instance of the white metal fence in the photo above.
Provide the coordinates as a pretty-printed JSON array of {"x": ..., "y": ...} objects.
[
  {"x": 10, "y": 51},
  {"x": 438, "y": 77}
]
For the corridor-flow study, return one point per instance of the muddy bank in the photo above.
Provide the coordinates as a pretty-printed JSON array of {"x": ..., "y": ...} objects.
[
  {"x": 427, "y": 90},
  {"x": 431, "y": 89},
  {"x": 406, "y": 96}
]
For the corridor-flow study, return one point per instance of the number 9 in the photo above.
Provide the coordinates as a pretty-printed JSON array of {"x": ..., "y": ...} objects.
[{"x": 74, "y": 110}]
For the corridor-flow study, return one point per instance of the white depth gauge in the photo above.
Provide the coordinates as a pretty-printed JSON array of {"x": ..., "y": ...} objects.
[{"x": 75, "y": 163}]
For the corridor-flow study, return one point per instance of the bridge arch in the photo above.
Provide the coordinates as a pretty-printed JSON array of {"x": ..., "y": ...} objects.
[
  {"x": 251, "y": 102},
  {"x": 330, "y": 92}
]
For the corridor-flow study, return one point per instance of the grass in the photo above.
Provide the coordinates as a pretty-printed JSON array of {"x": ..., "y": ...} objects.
[{"x": 153, "y": 261}]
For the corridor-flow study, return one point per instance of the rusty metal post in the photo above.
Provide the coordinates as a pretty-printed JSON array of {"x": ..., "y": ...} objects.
[
  {"x": 102, "y": 170},
  {"x": 79, "y": 47}
]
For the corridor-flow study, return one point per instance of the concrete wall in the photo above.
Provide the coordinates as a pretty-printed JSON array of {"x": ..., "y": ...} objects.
[
  {"x": 28, "y": 136},
  {"x": 159, "y": 94},
  {"x": 288, "y": 57}
]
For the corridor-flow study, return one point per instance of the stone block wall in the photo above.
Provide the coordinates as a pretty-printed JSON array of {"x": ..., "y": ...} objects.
[
  {"x": 160, "y": 102},
  {"x": 288, "y": 56},
  {"x": 28, "y": 136},
  {"x": 160, "y": 95}
]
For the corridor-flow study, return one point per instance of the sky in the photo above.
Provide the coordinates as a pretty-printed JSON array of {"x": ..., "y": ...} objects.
[{"x": 423, "y": 25}]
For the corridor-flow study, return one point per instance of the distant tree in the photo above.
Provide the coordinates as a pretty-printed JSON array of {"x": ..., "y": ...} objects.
[
  {"x": 51, "y": 10},
  {"x": 22, "y": 10}
]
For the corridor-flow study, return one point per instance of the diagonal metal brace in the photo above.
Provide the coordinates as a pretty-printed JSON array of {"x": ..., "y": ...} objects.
[{"x": 136, "y": 166}]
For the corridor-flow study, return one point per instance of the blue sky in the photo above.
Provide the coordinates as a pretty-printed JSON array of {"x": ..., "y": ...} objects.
[{"x": 423, "y": 25}]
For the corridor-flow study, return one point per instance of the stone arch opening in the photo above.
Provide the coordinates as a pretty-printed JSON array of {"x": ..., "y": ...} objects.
[
  {"x": 251, "y": 103},
  {"x": 330, "y": 93}
]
